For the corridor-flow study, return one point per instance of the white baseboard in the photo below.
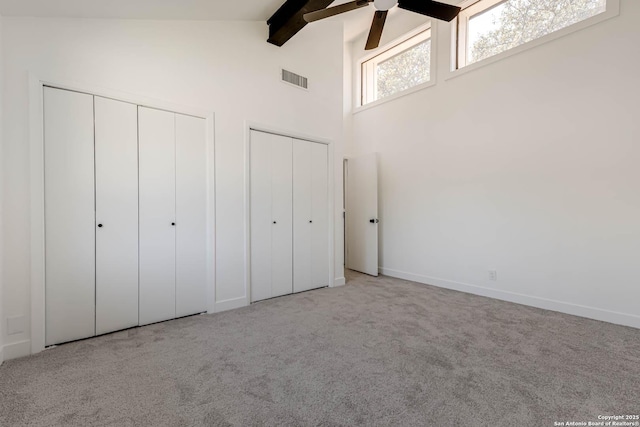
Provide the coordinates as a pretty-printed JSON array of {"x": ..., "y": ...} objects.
[
  {"x": 339, "y": 281},
  {"x": 547, "y": 304},
  {"x": 231, "y": 304},
  {"x": 18, "y": 349}
]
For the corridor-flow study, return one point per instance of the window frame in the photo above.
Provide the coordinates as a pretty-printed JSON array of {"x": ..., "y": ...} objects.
[
  {"x": 471, "y": 8},
  {"x": 367, "y": 65},
  {"x": 468, "y": 13}
]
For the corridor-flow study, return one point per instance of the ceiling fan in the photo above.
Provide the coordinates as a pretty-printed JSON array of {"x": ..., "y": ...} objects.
[{"x": 434, "y": 9}]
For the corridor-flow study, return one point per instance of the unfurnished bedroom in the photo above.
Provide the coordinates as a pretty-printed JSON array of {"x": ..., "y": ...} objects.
[{"x": 319, "y": 213}]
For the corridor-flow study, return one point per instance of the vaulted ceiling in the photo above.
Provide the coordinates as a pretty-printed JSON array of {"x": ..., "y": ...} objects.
[
  {"x": 216, "y": 10},
  {"x": 223, "y": 10},
  {"x": 356, "y": 22}
]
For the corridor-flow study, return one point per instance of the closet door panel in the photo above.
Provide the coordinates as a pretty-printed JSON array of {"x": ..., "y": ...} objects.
[
  {"x": 261, "y": 220},
  {"x": 282, "y": 214},
  {"x": 302, "y": 218},
  {"x": 191, "y": 215},
  {"x": 116, "y": 139},
  {"x": 320, "y": 207},
  {"x": 69, "y": 216},
  {"x": 157, "y": 213}
]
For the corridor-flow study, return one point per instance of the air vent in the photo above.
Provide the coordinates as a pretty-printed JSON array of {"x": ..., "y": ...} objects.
[{"x": 295, "y": 79}]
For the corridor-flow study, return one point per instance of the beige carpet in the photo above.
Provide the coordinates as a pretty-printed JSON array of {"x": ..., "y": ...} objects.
[{"x": 378, "y": 351}]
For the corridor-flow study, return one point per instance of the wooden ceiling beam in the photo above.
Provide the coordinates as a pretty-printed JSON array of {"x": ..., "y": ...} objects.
[{"x": 288, "y": 20}]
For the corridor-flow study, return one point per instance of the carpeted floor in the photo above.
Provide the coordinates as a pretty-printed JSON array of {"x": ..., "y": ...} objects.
[{"x": 378, "y": 351}]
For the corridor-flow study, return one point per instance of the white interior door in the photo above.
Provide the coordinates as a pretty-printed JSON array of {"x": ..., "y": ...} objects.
[
  {"x": 69, "y": 216},
  {"x": 261, "y": 222},
  {"x": 116, "y": 163},
  {"x": 362, "y": 214},
  {"x": 302, "y": 215},
  {"x": 320, "y": 237},
  {"x": 191, "y": 215},
  {"x": 282, "y": 216},
  {"x": 157, "y": 178}
]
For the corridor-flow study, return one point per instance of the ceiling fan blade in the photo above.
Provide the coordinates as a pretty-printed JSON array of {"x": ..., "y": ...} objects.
[
  {"x": 376, "y": 30},
  {"x": 434, "y": 9},
  {"x": 336, "y": 10}
]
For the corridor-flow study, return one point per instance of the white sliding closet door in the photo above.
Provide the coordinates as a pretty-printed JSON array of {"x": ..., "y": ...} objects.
[
  {"x": 191, "y": 215},
  {"x": 69, "y": 216},
  {"x": 320, "y": 233},
  {"x": 116, "y": 163},
  {"x": 157, "y": 215},
  {"x": 271, "y": 216},
  {"x": 302, "y": 215}
]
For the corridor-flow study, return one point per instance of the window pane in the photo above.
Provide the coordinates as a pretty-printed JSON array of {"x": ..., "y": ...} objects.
[
  {"x": 405, "y": 70},
  {"x": 514, "y": 22}
]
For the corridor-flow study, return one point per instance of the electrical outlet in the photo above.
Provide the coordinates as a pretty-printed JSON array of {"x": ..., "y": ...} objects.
[
  {"x": 493, "y": 275},
  {"x": 15, "y": 325}
]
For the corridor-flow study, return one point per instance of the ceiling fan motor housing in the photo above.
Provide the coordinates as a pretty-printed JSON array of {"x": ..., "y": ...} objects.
[{"x": 384, "y": 5}]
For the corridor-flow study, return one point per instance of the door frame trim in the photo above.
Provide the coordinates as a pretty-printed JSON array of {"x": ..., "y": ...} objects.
[
  {"x": 36, "y": 173},
  {"x": 259, "y": 127}
]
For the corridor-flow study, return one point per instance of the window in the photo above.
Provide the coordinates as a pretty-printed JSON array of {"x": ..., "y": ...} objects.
[
  {"x": 490, "y": 27},
  {"x": 404, "y": 66}
]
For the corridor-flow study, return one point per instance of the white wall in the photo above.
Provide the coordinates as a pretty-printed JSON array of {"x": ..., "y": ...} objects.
[
  {"x": 529, "y": 166},
  {"x": 2, "y": 321},
  {"x": 224, "y": 67}
]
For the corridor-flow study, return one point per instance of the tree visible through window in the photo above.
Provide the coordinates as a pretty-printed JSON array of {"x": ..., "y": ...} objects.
[
  {"x": 500, "y": 26},
  {"x": 405, "y": 70},
  {"x": 401, "y": 67}
]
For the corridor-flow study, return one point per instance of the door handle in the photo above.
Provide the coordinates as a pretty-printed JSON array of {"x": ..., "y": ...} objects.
[
  {"x": 99, "y": 225},
  {"x": 173, "y": 224},
  {"x": 374, "y": 221}
]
